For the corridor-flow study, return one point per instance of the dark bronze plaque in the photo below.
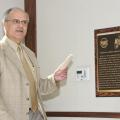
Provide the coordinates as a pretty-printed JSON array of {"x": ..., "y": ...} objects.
[{"x": 107, "y": 61}]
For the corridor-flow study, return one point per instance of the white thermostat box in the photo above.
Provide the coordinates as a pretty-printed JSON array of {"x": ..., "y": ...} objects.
[{"x": 82, "y": 73}]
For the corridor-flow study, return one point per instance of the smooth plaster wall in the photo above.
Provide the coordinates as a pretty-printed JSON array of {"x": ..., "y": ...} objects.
[{"x": 67, "y": 26}]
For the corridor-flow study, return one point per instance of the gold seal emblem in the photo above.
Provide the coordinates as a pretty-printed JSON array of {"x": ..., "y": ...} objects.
[{"x": 104, "y": 42}]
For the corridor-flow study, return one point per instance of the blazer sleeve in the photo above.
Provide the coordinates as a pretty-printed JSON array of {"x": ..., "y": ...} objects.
[
  {"x": 47, "y": 86},
  {"x": 4, "y": 115}
]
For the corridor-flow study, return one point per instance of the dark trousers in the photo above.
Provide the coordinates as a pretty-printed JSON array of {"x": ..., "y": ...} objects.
[{"x": 35, "y": 115}]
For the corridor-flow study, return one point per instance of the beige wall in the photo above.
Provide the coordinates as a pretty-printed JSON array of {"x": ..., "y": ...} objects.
[{"x": 67, "y": 26}]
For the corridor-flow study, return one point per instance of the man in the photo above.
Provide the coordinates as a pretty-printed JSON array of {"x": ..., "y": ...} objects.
[{"x": 21, "y": 87}]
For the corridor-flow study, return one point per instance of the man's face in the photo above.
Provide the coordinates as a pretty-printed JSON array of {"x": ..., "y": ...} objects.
[{"x": 16, "y": 25}]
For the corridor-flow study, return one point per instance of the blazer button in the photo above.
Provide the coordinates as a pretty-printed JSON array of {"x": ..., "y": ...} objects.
[
  {"x": 27, "y": 84},
  {"x": 27, "y": 99}
]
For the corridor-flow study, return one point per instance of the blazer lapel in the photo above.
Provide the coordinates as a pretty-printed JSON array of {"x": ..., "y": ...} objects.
[
  {"x": 32, "y": 62},
  {"x": 10, "y": 53}
]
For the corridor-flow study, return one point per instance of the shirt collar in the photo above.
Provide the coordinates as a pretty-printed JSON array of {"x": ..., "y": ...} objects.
[{"x": 11, "y": 43}]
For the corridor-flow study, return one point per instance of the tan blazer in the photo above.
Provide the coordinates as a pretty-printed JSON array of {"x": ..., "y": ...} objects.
[{"x": 14, "y": 87}]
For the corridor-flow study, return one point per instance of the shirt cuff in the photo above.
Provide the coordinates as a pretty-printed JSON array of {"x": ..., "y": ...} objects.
[{"x": 51, "y": 77}]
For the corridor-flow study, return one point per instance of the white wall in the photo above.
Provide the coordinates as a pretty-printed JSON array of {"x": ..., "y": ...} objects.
[
  {"x": 67, "y": 26},
  {"x": 6, "y": 4}
]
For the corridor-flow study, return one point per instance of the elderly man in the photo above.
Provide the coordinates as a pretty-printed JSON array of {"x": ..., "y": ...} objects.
[{"x": 21, "y": 87}]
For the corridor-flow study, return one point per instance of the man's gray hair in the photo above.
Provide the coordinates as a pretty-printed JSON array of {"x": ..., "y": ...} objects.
[{"x": 5, "y": 17}]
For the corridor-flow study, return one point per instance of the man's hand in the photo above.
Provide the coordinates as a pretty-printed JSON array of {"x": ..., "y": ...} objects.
[
  {"x": 61, "y": 71},
  {"x": 60, "y": 74}
]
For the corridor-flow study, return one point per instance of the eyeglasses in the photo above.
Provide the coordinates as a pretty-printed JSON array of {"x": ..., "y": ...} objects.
[{"x": 17, "y": 21}]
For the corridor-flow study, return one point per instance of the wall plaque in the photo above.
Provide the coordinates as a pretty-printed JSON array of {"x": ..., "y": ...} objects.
[{"x": 107, "y": 61}]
